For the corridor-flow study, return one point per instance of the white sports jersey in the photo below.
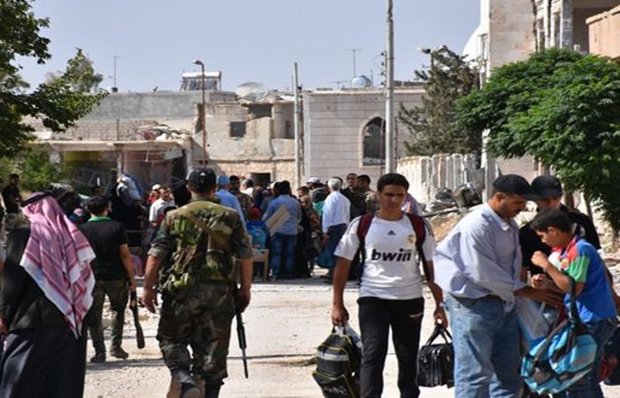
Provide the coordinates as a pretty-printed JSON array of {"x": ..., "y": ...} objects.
[{"x": 391, "y": 269}]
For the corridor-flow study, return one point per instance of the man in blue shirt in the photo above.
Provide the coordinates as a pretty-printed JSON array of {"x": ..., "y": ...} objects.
[
  {"x": 284, "y": 240},
  {"x": 226, "y": 198},
  {"x": 478, "y": 266}
]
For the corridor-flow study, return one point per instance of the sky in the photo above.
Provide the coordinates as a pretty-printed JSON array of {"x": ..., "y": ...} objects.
[{"x": 248, "y": 40}]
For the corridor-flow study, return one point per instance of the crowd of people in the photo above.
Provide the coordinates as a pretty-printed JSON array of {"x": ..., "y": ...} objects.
[{"x": 64, "y": 254}]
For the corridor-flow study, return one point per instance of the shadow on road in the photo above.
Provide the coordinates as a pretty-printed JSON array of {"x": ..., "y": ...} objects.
[{"x": 127, "y": 363}]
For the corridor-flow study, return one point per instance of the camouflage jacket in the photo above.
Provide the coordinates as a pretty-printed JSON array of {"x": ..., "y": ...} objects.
[{"x": 196, "y": 244}]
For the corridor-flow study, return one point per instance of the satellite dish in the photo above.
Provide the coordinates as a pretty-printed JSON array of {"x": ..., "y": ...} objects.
[
  {"x": 361, "y": 82},
  {"x": 252, "y": 91}
]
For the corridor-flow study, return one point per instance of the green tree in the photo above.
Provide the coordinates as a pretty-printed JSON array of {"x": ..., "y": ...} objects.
[
  {"x": 80, "y": 74},
  {"x": 37, "y": 172},
  {"x": 563, "y": 108},
  {"x": 433, "y": 126},
  {"x": 57, "y": 104}
]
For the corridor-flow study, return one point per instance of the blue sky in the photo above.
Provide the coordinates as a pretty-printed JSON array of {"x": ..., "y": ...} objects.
[{"x": 248, "y": 40}]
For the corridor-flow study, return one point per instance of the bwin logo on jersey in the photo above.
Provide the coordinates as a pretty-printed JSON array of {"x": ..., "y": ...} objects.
[{"x": 401, "y": 255}]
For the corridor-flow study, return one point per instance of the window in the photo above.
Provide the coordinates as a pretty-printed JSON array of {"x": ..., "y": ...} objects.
[
  {"x": 237, "y": 129},
  {"x": 288, "y": 129},
  {"x": 374, "y": 142},
  {"x": 260, "y": 110}
]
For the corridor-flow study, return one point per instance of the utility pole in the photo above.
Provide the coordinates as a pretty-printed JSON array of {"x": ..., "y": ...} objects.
[
  {"x": 297, "y": 112},
  {"x": 354, "y": 51},
  {"x": 202, "y": 113},
  {"x": 390, "y": 164}
]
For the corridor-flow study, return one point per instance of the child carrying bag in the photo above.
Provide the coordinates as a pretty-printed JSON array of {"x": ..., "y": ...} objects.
[
  {"x": 563, "y": 357},
  {"x": 436, "y": 361}
]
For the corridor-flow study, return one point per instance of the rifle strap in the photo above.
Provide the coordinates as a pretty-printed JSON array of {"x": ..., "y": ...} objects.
[{"x": 202, "y": 225}]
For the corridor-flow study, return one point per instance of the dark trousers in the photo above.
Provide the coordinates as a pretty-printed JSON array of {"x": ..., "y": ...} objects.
[
  {"x": 376, "y": 317},
  {"x": 118, "y": 293},
  {"x": 47, "y": 362},
  {"x": 283, "y": 255}
]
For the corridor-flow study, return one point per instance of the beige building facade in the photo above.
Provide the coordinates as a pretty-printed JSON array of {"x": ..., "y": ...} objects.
[
  {"x": 157, "y": 138},
  {"x": 344, "y": 131},
  {"x": 604, "y": 33}
]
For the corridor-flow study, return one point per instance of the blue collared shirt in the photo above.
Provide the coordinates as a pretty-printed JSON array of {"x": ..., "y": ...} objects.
[
  {"x": 290, "y": 226},
  {"x": 481, "y": 256},
  {"x": 229, "y": 200}
]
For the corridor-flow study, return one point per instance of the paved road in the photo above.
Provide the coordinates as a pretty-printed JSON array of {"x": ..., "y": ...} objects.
[{"x": 284, "y": 324}]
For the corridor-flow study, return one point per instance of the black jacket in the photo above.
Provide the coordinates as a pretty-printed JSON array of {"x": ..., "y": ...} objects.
[{"x": 23, "y": 304}]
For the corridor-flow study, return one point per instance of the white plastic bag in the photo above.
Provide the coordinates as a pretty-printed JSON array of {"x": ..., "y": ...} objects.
[{"x": 535, "y": 320}]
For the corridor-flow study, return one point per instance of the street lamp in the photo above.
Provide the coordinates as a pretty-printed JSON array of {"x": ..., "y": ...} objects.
[{"x": 202, "y": 111}]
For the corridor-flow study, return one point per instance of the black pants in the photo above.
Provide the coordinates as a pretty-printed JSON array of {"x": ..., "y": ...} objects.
[
  {"x": 43, "y": 363},
  {"x": 376, "y": 316}
]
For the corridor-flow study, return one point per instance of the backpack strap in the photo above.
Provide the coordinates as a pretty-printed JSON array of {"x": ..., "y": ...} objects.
[
  {"x": 419, "y": 227},
  {"x": 364, "y": 226},
  {"x": 362, "y": 230}
]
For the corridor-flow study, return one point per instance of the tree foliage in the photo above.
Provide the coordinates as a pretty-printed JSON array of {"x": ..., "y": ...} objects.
[
  {"x": 563, "y": 108},
  {"x": 80, "y": 74},
  {"x": 36, "y": 170},
  {"x": 58, "y": 104},
  {"x": 432, "y": 126}
]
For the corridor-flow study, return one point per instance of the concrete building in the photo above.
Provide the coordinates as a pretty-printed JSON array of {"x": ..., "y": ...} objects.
[
  {"x": 344, "y": 130},
  {"x": 156, "y": 137},
  {"x": 604, "y": 33}
]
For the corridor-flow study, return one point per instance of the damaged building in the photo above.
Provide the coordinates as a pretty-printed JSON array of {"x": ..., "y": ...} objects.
[{"x": 157, "y": 137}]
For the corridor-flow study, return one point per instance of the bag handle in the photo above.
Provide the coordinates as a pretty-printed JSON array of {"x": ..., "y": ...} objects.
[
  {"x": 440, "y": 330},
  {"x": 573, "y": 314}
]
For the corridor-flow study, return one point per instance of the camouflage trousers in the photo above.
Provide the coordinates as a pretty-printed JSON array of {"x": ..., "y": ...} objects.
[{"x": 200, "y": 319}]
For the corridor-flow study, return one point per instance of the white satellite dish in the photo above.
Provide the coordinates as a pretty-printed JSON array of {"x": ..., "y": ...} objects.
[{"x": 252, "y": 91}]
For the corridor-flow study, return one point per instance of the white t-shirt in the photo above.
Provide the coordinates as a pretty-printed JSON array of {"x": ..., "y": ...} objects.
[
  {"x": 391, "y": 270},
  {"x": 157, "y": 209}
]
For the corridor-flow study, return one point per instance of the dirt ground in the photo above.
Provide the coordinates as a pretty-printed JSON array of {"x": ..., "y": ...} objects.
[{"x": 284, "y": 324}]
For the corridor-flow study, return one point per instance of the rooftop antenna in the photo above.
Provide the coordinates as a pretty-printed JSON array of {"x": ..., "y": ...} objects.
[
  {"x": 114, "y": 87},
  {"x": 354, "y": 51},
  {"x": 339, "y": 83}
]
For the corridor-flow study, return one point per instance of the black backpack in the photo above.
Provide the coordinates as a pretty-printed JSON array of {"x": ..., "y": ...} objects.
[{"x": 338, "y": 363}]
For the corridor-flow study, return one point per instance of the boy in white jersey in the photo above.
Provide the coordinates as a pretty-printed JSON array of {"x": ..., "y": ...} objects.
[{"x": 390, "y": 289}]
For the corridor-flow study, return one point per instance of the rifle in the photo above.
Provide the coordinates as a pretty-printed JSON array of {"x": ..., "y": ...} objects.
[
  {"x": 240, "y": 331},
  {"x": 136, "y": 320}
]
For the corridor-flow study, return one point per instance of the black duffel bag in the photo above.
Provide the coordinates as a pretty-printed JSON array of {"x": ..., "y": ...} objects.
[{"x": 436, "y": 361}]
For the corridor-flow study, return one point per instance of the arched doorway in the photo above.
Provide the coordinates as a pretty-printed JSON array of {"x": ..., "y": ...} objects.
[{"x": 374, "y": 142}]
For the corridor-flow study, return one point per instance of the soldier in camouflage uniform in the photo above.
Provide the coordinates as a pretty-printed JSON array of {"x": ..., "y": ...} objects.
[{"x": 193, "y": 256}]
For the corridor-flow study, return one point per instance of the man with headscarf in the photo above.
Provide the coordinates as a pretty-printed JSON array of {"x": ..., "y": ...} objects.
[{"x": 46, "y": 292}]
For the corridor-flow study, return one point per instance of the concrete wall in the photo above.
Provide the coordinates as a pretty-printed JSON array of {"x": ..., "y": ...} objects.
[
  {"x": 604, "y": 32},
  {"x": 154, "y": 105},
  {"x": 426, "y": 174},
  {"x": 511, "y": 31},
  {"x": 334, "y": 127}
]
